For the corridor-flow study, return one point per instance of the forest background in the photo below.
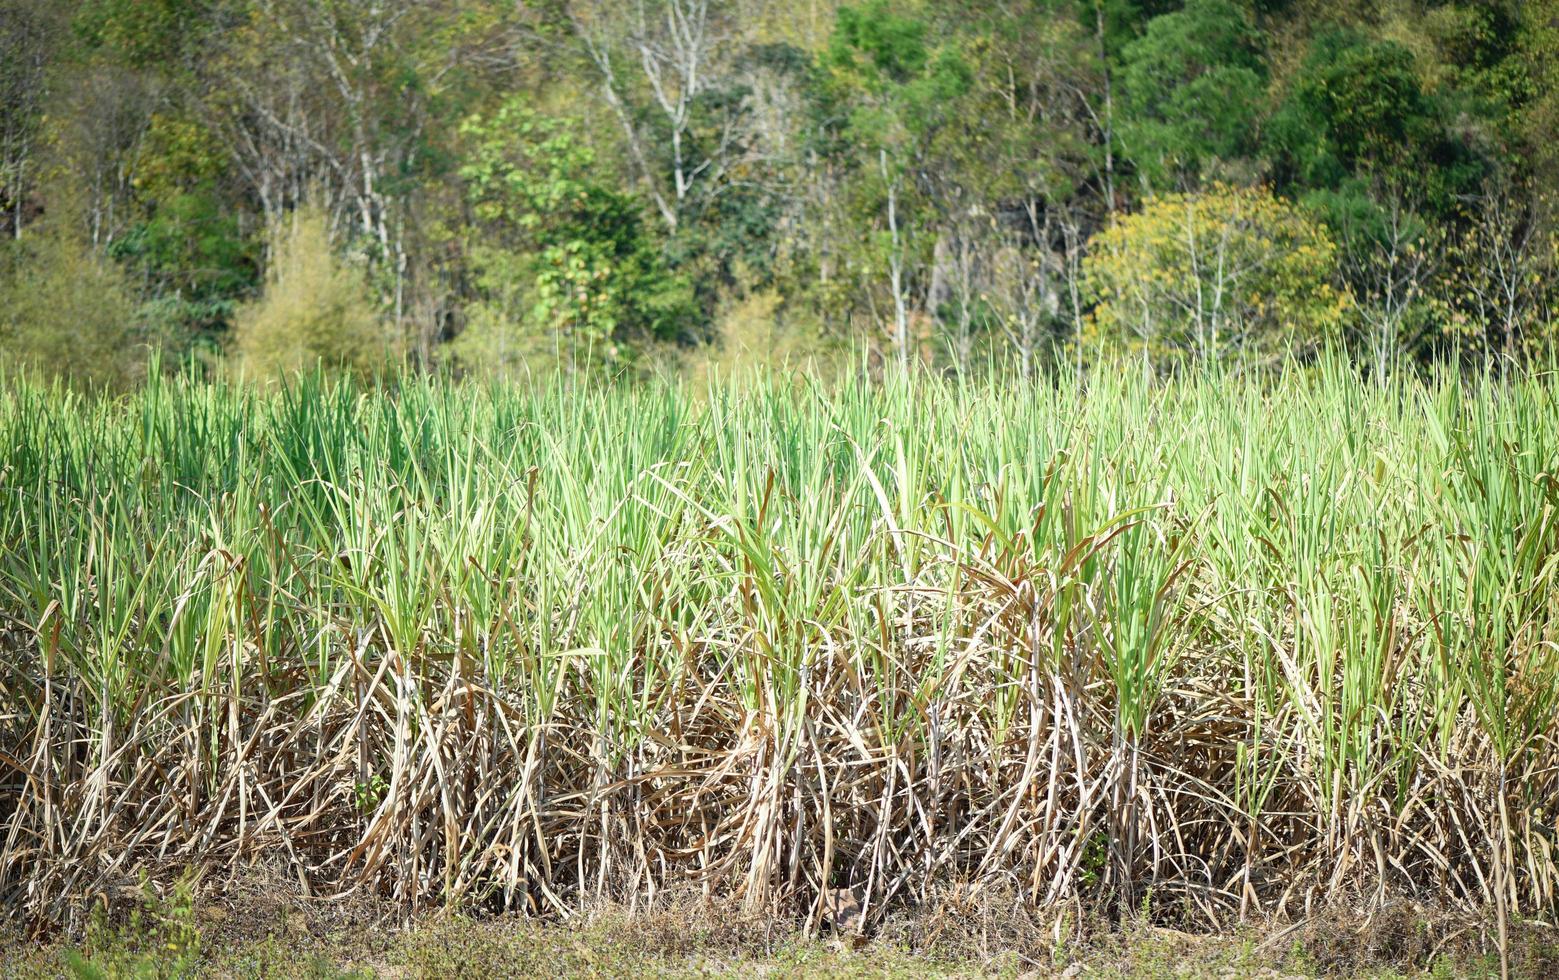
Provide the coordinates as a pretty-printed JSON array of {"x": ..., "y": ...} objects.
[{"x": 497, "y": 187}]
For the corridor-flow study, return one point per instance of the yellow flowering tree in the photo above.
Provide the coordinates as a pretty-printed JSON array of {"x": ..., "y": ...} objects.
[{"x": 1227, "y": 273}]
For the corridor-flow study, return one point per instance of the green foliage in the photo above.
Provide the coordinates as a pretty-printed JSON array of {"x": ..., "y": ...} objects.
[
  {"x": 190, "y": 246},
  {"x": 1538, "y": 118},
  {"x": 1192, "y": 89},
  {"x": 558, "y": 255},
  {"x": 903, "y": 87},
  {"x": 1121, "y": 21},
  {"x": 192, "y": 249},
  {"x": 30, "y": 43},
  {"x": 159, "y": 940},
  {"x": 144, "y": 32},
  {"x": 316, "y": 310},
  {"x": 1500, "y": 290},
  {"x": 1358, "y": 109},
  {"x": 890, "y": 46},
  {"x": 1032, "y": 140}
]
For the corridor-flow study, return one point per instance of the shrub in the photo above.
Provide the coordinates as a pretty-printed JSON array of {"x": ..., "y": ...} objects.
[
  {"x": 67, "y": 311},
  {"x": 316, "y": 309}
]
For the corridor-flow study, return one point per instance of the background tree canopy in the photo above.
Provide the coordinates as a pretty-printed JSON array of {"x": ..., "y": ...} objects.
[{"x": 499, "y": 185}]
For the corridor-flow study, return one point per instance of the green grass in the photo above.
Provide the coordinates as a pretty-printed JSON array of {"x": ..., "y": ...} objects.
[
  {"x": 1216, "y": 648},
  {"x": 286, "y": 937}
]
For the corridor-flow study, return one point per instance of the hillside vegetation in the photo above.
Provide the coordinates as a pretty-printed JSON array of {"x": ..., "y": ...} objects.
[{"x": 507, "y": 188}]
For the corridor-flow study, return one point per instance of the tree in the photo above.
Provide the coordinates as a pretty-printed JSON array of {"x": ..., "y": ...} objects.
[
  {"x": 1503, "y": 292},
  {"x": 104, "y": 114},
  {"x": 1389, "y": 257},
  {"x": 342, "y": 104},
  {"x": 1191, "y": 91},
  {"x": 677, "y": 51},
  {"x": 1025, "y": 302},
  {"x": 897, "y": 93},
  {"x": 162, "y": 36},
  {"x": 29, "y": 37},
  {"x": 924, "y": 178},
  {"x": 192, "y": 250},
  {"x": 1358, "y": 110},
  {"x": 1227, "y": 274},
  {"x": 1030, "y": 154},
  {"x": 1539, "y": 54},
  {"x": 559, "y": 255}
]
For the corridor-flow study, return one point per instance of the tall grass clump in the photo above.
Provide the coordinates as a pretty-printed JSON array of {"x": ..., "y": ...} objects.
[{"x": 1223, "y": 646}]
